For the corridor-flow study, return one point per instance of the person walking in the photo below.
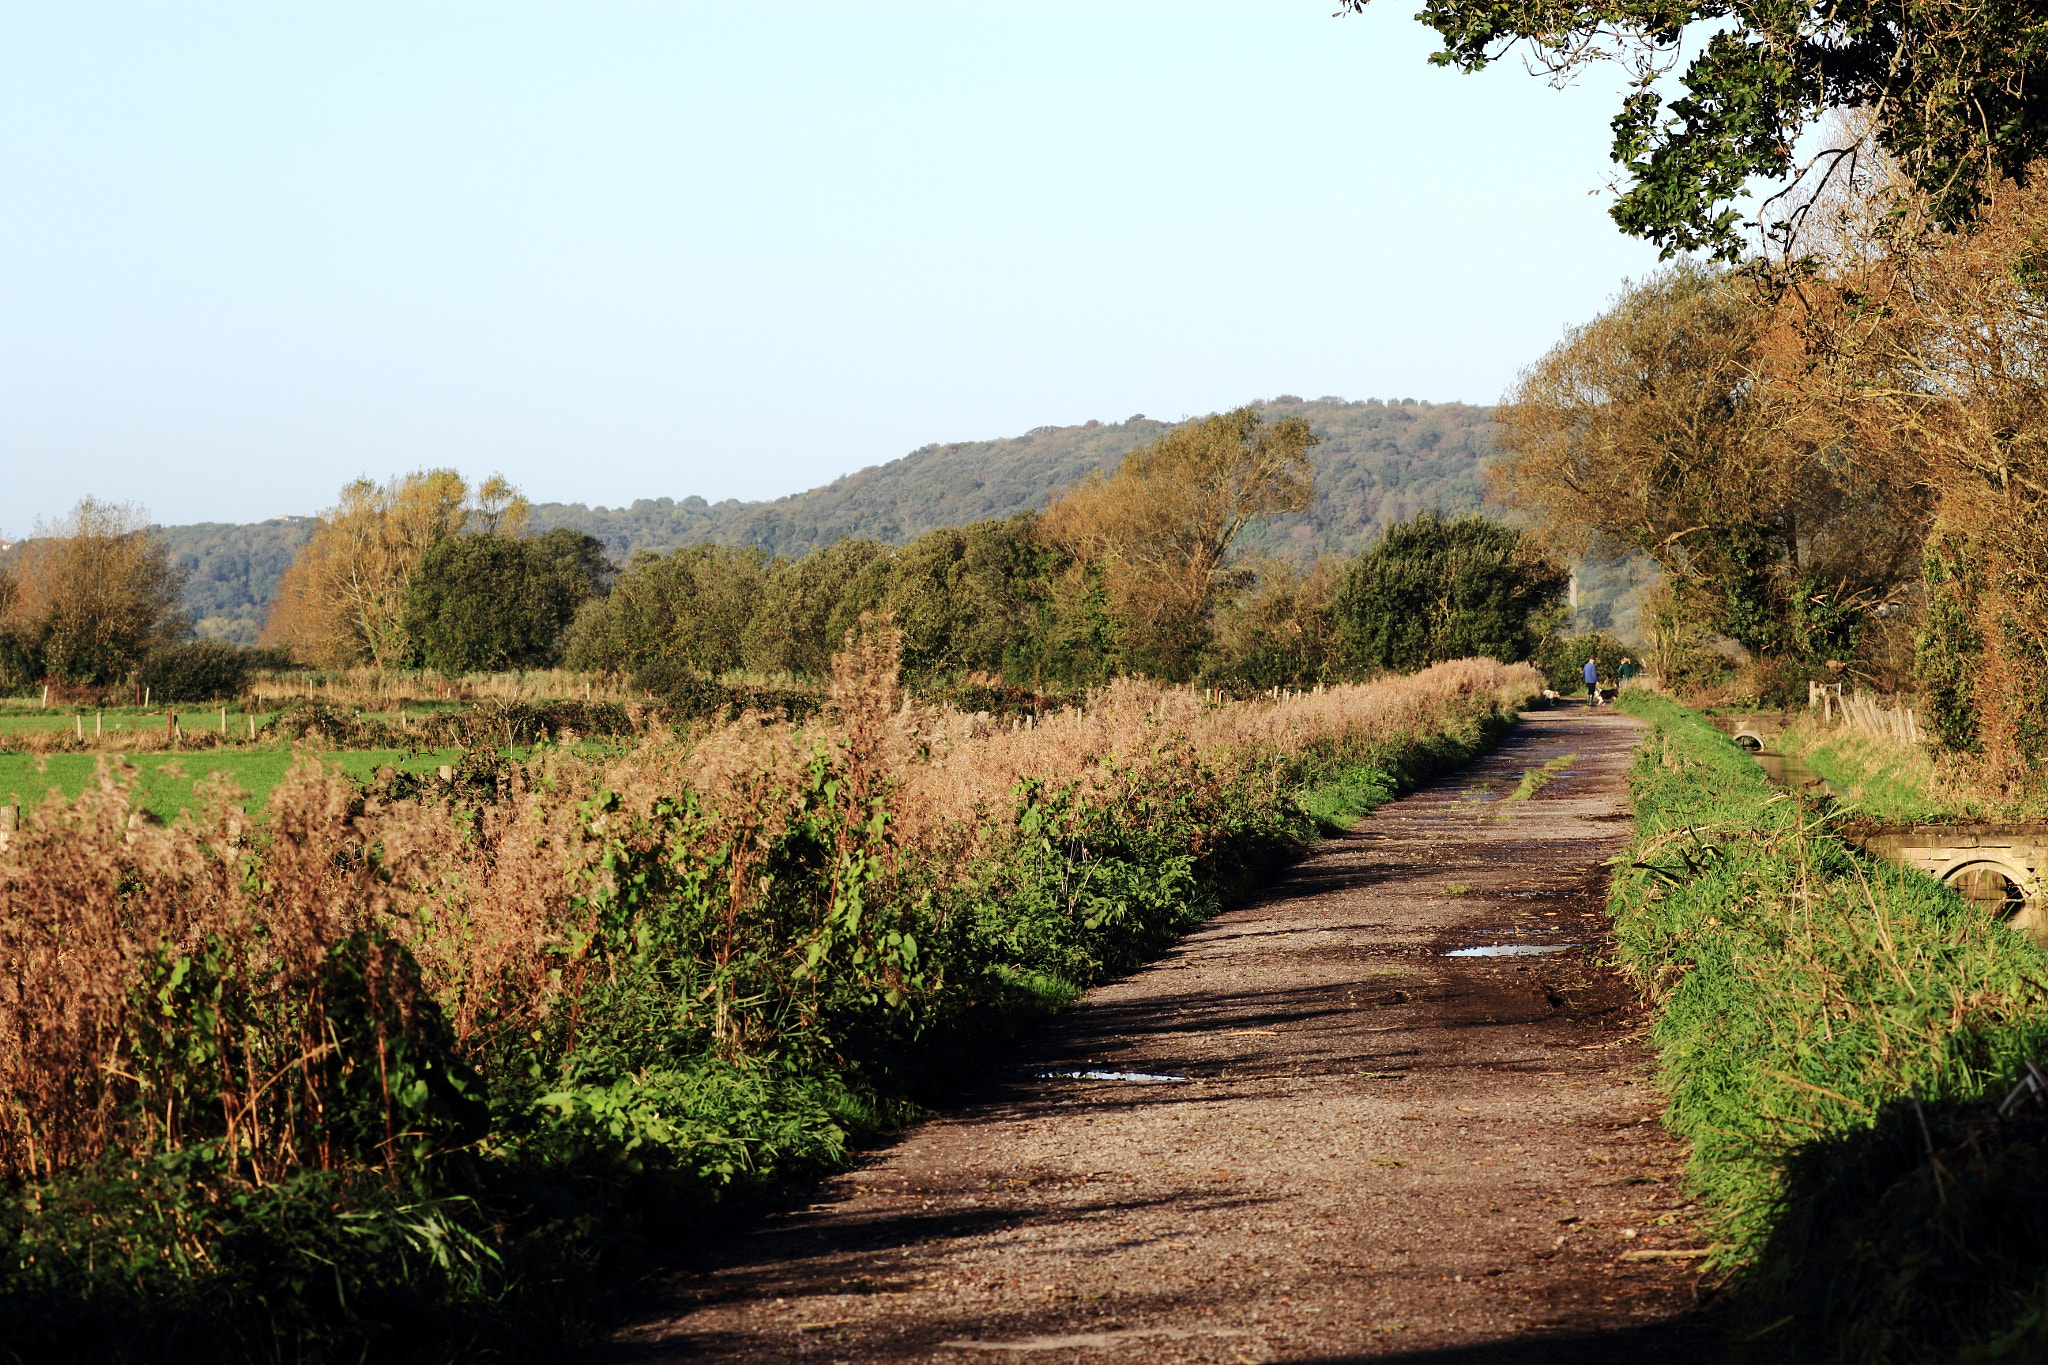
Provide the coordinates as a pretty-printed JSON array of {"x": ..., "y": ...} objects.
[
  {"x": 1629, "y": 669},
  {"x": 1592, "y": 676}
]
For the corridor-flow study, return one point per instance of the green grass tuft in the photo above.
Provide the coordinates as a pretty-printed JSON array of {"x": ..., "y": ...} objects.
[
  {"x": 1536, "y": 779},
  {"x": 1830, "y": 1032}
]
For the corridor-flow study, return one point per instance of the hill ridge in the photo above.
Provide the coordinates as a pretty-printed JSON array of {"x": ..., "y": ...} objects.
[{"x": 1378, "y": 462}]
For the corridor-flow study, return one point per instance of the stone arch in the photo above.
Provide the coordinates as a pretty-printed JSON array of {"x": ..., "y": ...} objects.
[
  {"x": 2028, "y": 911},
  {"x": 1750, "y": 740}
]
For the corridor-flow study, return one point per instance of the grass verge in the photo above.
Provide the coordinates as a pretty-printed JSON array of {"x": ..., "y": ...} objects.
[{"x": 1833, "y": 1035}]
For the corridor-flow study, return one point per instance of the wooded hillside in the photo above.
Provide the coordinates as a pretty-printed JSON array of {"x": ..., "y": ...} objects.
[{"x": 1378, "y": 462}]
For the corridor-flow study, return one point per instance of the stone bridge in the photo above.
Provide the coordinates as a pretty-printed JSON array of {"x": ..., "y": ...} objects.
[
  {"x": 1753, "y": 730},
  {"x": 1995, "y": 865},
  {"x": 2004, "y": 866}
]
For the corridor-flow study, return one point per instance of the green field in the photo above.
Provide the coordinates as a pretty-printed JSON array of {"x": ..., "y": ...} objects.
[
  {"x": 164, "y": 781},
  {"x": 21, "y": 718}
]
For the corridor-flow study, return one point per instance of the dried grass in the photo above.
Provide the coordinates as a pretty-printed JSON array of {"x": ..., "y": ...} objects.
[
  {"x": 380, "y": 689},
  {"x": 496, "y": 901}
]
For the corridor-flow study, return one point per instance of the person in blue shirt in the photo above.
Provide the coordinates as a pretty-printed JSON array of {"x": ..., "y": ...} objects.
[{"x": 1592, "y": 674}]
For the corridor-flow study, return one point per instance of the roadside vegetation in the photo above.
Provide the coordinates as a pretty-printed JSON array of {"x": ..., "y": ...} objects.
[
  {"x": 419, "y": 1067},
  {"x": 1834, "y": 1034}
]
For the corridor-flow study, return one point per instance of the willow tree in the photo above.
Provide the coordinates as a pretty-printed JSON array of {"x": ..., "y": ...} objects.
[
  {"x": 1159, "y": 530},
  {"x": 342, "y": 602},
  {"x": 1672, "y": 425}
]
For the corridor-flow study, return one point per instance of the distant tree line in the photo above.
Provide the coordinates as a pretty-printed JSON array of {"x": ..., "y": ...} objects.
[
  {"x": 1377, "y": 462},
  {"x": 1127, "y": 572},
  {"x": 1135, "y": 571}
]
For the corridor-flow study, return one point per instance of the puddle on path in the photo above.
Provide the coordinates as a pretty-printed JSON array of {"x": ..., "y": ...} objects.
[
  {"x": 1512, "y": 950},
  {"x": 1142, "y": 1077}
]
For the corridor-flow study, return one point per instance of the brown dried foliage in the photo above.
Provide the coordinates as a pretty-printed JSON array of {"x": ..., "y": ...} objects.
[
  {"x": 1928, "y": 349},
  {"x": 492, "y": 902}
]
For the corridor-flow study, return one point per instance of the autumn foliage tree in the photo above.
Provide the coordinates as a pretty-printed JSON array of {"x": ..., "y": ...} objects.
[
  {"x": 343, "y": 600},
  {"x": 1930, "y": 347},
  {"x": 85, "y": 600},
  {"x": 1279, "y": 628},
  {"x": 1675, "y": 425},
  {"x": 1160, "y": 529}
]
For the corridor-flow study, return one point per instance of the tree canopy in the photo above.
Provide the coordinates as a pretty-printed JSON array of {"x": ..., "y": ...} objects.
[
  {"x": 1162, "y": 526},
  {"x": 343, "y": 599},
  {"x": 1958, "y": 93},
  {"x": 85, "y": 600},
  {"x": 486, "y": 602},
  {"x": 1666, "y": 426},
  {"x": 1433, "y": 589}
]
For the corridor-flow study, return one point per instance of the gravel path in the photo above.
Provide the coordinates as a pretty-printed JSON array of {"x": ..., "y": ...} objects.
[{"x": 1377, "y": 1150}]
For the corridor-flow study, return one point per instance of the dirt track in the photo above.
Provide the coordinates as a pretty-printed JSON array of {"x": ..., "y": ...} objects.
[{"x": 1378, "y": 1150}]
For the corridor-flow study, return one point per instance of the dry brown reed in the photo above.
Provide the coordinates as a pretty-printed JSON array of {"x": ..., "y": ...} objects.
[
  {"x": 970, "y": 764},
  {"x": 379, "y": 689},
  {"x": 496, "y": 901}
]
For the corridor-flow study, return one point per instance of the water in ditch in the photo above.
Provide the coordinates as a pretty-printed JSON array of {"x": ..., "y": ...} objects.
[{"x": 1788, "y": 772}]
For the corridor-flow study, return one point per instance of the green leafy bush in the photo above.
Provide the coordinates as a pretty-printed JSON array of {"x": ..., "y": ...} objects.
[
  {"x": 195, "y": 670},
  {"x": 482, "y": 603},
  {"x": 1432, "y": 589}
]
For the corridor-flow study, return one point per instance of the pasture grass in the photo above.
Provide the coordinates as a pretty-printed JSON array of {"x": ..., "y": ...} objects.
[
  {"x": 1832, "y": 1034},
  {"x": 163, "y": 782}
]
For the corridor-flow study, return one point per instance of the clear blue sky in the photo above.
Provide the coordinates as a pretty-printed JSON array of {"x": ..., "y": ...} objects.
[{"x": 250, "y": 251}]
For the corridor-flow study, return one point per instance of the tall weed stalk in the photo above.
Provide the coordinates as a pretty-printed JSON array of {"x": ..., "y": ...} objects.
[{"x": 385, "y": 1067}]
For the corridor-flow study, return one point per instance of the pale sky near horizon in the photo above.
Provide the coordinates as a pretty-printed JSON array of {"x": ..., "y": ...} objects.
[{"x": 250, "y": 251}]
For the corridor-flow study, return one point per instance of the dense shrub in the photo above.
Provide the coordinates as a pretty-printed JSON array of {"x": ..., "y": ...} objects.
[
  {"x": 484, "y": 603},
  {"x": 486, "y": 726},
  {"x": 195, "y": 670},
  {"x": 1432, "y": 589},
  {"x": 20, "y": 660}
]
